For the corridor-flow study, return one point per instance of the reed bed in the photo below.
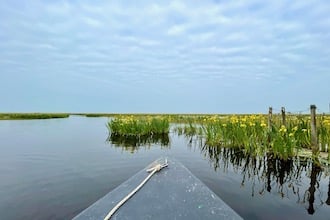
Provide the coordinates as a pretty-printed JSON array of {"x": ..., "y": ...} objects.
[
  {"x": 27, "y": 116},
  {"x": 138, "y": 126},
  {"x": 252, "y": 133}
]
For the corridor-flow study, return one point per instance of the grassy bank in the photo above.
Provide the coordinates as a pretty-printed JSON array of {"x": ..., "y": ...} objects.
[{"x": 28, "y": 116}]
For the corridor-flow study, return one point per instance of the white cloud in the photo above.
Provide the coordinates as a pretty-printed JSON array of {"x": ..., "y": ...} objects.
[
  {"x": 202, "y": 37},
  {"x": 236, "y": 36},
  {"x": 59, "y": 8},
  {"x": 92, "y": 22},
  {"x": 176, "y": 30}
]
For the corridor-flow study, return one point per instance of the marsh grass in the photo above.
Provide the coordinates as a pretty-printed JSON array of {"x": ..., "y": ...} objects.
[
  {"x": 249, "y": 133},
  {"x": 28, "y": 116},
  {"x": 252, "y": 134},
  {"x": 132, "y": 126}
]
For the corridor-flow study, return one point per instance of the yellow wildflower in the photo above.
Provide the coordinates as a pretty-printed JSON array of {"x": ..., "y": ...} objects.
[
  {"x": 263, "y": 124},
  {"x": 283, "y": 129}
]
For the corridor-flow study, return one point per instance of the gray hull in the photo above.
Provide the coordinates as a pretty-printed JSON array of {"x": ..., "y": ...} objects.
[{"x": 172, "y": 193}]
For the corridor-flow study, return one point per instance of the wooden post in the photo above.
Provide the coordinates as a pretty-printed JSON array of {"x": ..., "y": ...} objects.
[
  {"x": 283, "y": 116},
  {"x": 270, "y": 113},
  {"x": 315, "y": 147}
]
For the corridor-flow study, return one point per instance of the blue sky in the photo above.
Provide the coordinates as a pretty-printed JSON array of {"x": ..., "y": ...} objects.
[{"x": 164, "y": 56}]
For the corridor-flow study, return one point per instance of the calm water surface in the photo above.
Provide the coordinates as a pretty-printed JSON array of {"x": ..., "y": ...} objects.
[{"x": 53, "y": 169}]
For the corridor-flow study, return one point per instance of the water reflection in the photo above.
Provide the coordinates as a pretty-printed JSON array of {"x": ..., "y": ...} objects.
[
  {"x": 133, "y": 143},
  {"x": 267, "y": 174},
  {"x": 328, "y": 200},
  {"x": 311, "y": 190}
]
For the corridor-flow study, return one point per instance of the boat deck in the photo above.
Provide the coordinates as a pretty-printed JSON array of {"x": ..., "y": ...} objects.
[{"x": 172, "y": 193}]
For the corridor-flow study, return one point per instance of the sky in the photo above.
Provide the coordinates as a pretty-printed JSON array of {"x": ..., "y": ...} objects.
[{"x": 164, "y": 56}]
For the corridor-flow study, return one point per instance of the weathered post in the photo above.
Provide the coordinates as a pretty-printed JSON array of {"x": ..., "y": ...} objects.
[
  {"x": 283, "y": 116},
  {"x": 270, "y": 114},
  {"x": 314, "y": 144}
]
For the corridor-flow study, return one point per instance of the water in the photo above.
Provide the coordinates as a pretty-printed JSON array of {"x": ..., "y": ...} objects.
[{"x": 53, "y": 169}]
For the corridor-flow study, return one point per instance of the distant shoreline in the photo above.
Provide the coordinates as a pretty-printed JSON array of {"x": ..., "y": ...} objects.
[
  {"x": 39, "y": 115},
  {"x": 30, "y": 116}
]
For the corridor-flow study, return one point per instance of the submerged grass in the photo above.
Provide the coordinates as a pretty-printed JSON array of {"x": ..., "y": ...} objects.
[{"x": 27, "y": 116}]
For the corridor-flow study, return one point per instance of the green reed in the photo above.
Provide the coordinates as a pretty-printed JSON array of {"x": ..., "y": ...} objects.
[
  {"x": 132, "y": 126},
  {"x": 253, "y": 134}
]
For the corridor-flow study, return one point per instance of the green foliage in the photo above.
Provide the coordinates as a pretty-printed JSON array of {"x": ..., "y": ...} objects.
[
  {"x": 251, "y": 133},
  {"x": 132, "y": 126},
  {"x": 27, "y": 116},
  {"x": 248, "y": 132}
]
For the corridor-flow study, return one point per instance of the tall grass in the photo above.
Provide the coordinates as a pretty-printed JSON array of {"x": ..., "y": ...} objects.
[
  {"x": 254, "y": 135},
  {"x": 131, "y": 126},
  {"x": 248, "y": 132}
]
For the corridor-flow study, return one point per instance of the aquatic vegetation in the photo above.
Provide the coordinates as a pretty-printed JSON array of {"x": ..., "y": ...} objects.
[
  {"x": 26, "y": 116},
  {"x": 136, "y": 126},
  {"x": 189, "y": 129},
  {"x": 252, "y": 133}
]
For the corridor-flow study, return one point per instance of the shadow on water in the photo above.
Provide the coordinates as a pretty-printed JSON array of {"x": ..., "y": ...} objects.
[
  {"x": 328, "y": 199},
  {"x": 268, "y": 174},
  {"x": 133, "y": 143}
]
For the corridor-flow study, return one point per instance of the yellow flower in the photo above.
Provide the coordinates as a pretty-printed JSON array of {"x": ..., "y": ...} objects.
[
  {"x": 224, "y": 125},
  {"x": 263, "y": 124},
  {"x": 283, "y": 129},
  {"x": 243, "y": 125},
  {"x": 291, "y": 135}
]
